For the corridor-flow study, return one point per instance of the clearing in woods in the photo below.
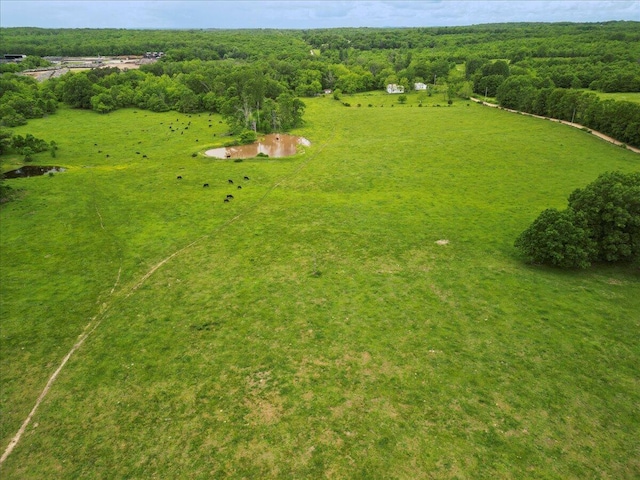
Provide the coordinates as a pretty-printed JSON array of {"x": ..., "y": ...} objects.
[{"x": 313, "y": 326}]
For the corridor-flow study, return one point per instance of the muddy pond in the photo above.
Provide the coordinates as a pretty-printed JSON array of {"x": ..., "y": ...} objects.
[
  {"x": 275, "y": 145},
  {"x": 32, "y": 171}
]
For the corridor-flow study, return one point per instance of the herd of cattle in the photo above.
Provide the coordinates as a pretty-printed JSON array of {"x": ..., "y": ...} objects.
[{"x": 229, "y": 197}]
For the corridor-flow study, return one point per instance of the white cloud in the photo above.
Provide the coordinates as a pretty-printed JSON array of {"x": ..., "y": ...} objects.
[{"x": 305, "y": 14}]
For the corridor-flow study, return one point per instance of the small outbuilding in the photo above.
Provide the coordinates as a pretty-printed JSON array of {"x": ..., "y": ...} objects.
[
  {"x": 393, "y": 88},
  {"x": 420, "y": 86}
]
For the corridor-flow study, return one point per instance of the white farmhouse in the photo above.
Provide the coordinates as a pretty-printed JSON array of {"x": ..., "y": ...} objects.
[
  {"x": 393, "y": 88},
  {"x": 419, "y": 86}
]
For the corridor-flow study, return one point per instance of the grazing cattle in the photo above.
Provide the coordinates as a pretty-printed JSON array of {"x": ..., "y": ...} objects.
[
  {"x": 209, "y": 126},
  {"x": 95, "y": 144},
  {"x": 239, "y": 187},
  {"x": 181, "y": 133},
  {"x": 230, "y": 182},
  {"x": 229, "y": 196},
  {"x": 179, "y": 177},
  {"x": 196, "y": 139},
  {"x": 246, "y": 178},
  {"x": 99, "y": 151},
  {"x": 137, "y": 153},
  {"x": 226, "y": 200},
  {"x": 144, "y": 156},
  {"x": 107, "y": 155},
  {"x": 228, "y": 155},
  {"x": 205, "y": 185}
]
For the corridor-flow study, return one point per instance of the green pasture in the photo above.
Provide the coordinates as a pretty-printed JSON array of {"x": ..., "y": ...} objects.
[
  {"x": 626, "y": 96},
  {"x": 314, "y": 326}
]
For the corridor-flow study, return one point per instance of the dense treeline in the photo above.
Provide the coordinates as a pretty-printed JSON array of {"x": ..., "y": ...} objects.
[
  {"x": 249, "y": 96},
  {"x": 546, "y": 40},
  {"x": 520, "y": 87},
  {"x": 177, "y": 44},
  {"x": 22, "y": 98},
  {"x": 618, "y": 119},
  {"x": 254, "y": 77}
]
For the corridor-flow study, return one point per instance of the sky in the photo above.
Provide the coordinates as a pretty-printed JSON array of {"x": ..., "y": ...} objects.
[{"x": 301, "y": 14}]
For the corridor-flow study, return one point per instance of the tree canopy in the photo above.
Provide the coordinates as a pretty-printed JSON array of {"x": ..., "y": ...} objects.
[{"x": 601, "y": 224}]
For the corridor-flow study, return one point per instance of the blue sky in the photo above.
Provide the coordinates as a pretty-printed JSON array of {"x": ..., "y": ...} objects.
[{"x": 304, "y": 14}]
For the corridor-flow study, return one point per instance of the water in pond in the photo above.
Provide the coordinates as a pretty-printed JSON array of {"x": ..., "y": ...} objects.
[
  {"x": 275, "y": 145},
  {"x": 32, "y": 171}
]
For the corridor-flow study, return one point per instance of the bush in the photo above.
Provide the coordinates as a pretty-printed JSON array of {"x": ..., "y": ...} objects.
[
  {"x": 602, "y": 223},
  {"x": 248, "y": 136},
  {"x": 557, "y": 238}
]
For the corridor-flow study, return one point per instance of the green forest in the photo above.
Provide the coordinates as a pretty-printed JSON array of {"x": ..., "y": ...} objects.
[{"x": 257, "y": 78}]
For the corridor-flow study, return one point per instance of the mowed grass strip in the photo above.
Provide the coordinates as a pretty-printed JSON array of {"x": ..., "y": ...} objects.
[{"x": 325, "y": 332}]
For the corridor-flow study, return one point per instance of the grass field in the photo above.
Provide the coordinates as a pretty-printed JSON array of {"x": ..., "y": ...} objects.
[
  {"x": 629, "y": 96},
  {"x": 313, "y": 327}
]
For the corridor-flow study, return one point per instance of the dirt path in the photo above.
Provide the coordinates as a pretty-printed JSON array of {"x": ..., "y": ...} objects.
[
  {"x": 125, "y": 293},
  {"x": 564, "y": 122}
]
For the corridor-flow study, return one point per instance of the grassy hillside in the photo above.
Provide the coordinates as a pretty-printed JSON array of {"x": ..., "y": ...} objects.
[{"x": 314, "y": 326}]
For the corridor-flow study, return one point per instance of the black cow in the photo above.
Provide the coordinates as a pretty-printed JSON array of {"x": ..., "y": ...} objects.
[
  {"x": 246, "y": 178},
  {"x": 205, "y": 185},
  {"x": 226, "y": 200},
  {"x": 230, "y": 182},
  {"x": 179, "y": 177},
  {"x": 229, "y": 196},
  {"x": 239, "y": 187}
]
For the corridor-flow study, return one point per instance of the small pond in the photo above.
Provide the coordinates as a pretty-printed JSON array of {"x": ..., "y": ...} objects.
[
  {"x": 275, "y": 145},
  {"x": 32, "y": 171}
]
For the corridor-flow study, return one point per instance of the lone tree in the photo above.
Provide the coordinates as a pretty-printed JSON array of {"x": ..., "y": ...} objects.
[{"x": 601, "y": 224}]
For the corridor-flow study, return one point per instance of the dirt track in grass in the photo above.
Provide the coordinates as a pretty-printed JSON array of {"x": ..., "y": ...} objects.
[
  {"x": 564, "y": 122},
  {"x": 97, "y": 319}
]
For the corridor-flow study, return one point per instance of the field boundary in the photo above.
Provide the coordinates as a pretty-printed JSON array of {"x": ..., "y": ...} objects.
[{"x": 564, "y": 122}]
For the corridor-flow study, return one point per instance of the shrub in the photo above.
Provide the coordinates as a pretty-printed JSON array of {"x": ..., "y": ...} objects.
[
  {"x": 557, "y": 238},
  {"x": 611, "y": 205},
  {"x": 248, "y": 136},
  {"x": 602, "y": 223}
]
